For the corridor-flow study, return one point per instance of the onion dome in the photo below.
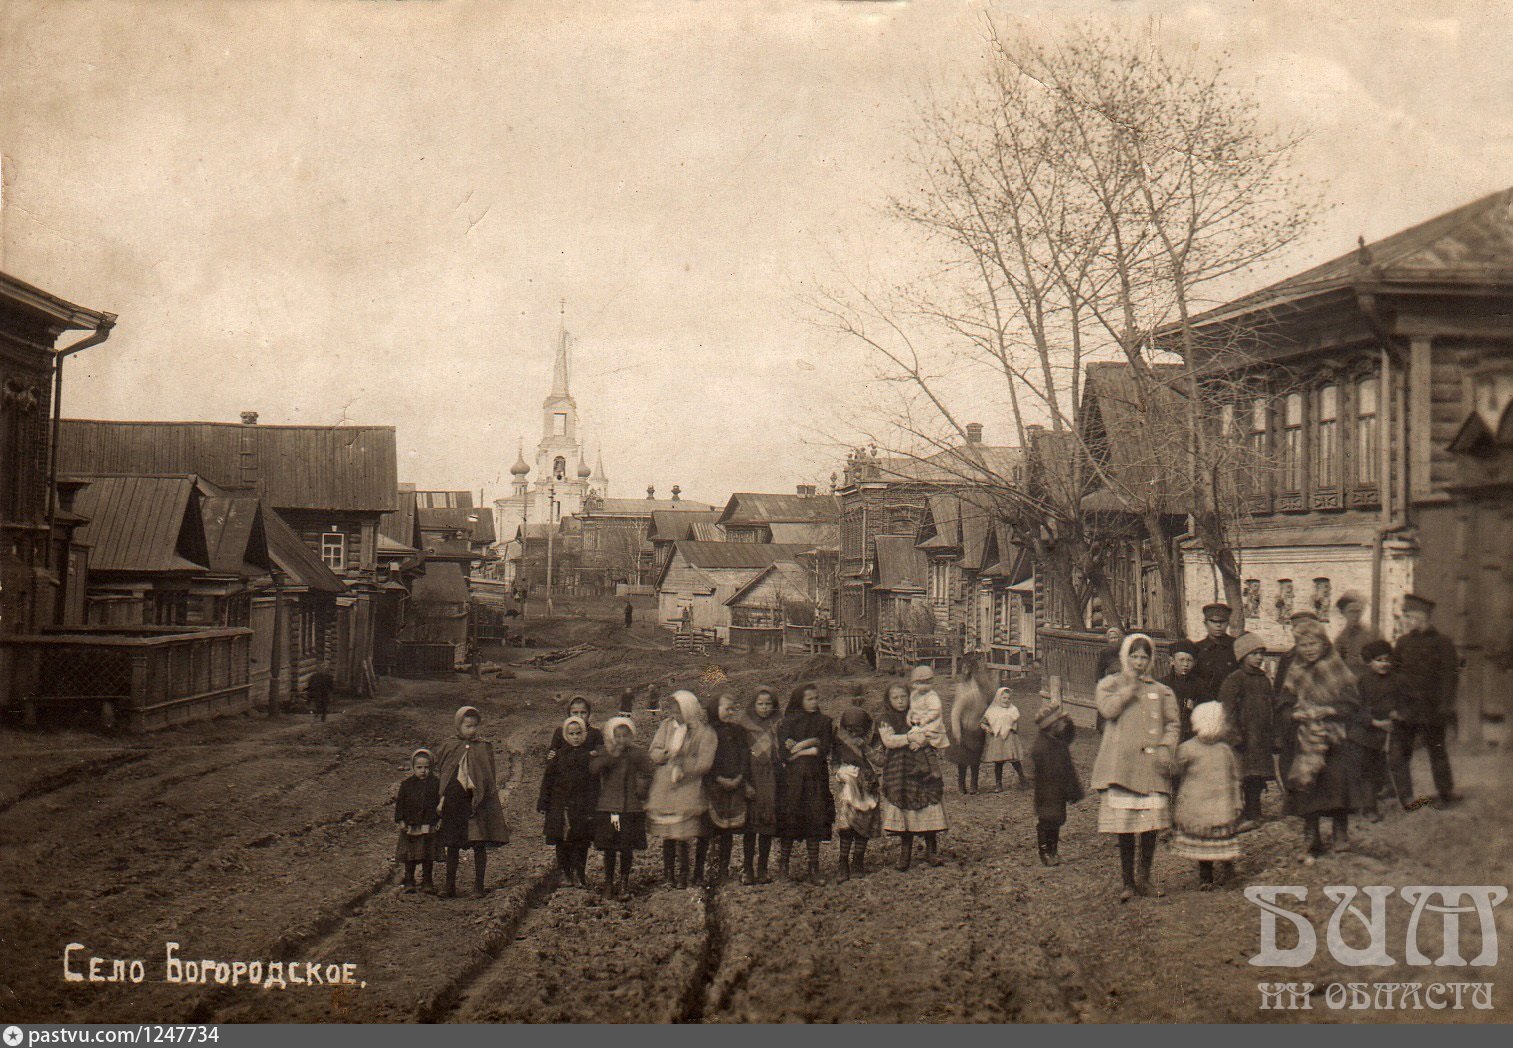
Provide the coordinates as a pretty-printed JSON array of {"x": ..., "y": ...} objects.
[
  {"x": 583, "y": 471},
  {"x": 520, "y": 469}
]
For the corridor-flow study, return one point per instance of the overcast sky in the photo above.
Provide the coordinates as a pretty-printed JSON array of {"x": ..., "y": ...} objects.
[{"x": 334, "y": 211}]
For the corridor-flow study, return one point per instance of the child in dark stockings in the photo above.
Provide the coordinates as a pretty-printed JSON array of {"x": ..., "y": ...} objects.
[
  {"x": 568, "y": 798},
  {"x": 727, "y": 783},
  {"x": 761, "y": 724},
  {"x": 1056, "y": 780},
  {"x": 472, "y": 804},
  {"x": 858, "y": 816},
  {"x": 415, "y": 815},
  {"x": 623, "y": 773}
]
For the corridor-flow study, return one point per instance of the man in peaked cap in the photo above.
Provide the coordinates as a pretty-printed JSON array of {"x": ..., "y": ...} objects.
[
  {"x": 1215, "y": 652},
  {"x": 1430, "y": 668}
]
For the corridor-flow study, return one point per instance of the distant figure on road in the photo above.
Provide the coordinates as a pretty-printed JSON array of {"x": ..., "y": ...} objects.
[
  {"x": 630, "y": 614},
  {"x": 318, "y": 691}
]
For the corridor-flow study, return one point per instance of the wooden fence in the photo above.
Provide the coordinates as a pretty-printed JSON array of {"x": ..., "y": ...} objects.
[
  {"x": 142, "y": 677},
  {"x": 1069, "y": 661}
]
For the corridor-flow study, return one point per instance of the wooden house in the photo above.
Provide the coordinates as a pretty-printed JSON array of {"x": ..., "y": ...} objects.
[
  {"x": 782, "y": 595},
  {"x": 33, "y": 560},
  {"x": 759, "y": 517},
  {"x": 700, "y": 577},
  {"x": 1379, "y": 388},
  {"x": 884, "y": 496},
  {"x": 675, "y": 525},
  {"x": 617, "y": 548},
  {"x": 329, "y": 484}
]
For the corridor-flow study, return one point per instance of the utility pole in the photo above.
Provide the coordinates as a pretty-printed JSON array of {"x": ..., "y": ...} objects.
[{"x": 551, "y": 528}]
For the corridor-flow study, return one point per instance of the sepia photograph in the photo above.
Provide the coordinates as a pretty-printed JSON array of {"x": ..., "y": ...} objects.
[{"x": 775, "y": 511}]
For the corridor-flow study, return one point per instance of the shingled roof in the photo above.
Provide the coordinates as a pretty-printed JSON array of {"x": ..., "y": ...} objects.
[
  {"x": 478, "y": 523},
  {"x": 350, "y": 468},
  {"x": 755, "y": 507}
]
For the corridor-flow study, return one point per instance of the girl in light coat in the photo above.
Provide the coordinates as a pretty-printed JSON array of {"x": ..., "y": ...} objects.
[{"x": 682, "y": 751}]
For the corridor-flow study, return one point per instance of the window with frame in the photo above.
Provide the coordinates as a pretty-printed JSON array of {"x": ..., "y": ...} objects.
[
  {"x": 1368, "y": 432},
  {"x": 333, "y": 550},
  {"x": 1292, "y": 443},
  {"x": 1326, "y": 451},
  {"x": 940, "y": 582},
  {"x": 1256, "y": 474}
]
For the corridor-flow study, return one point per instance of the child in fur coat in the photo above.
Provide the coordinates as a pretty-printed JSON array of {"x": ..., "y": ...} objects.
[{"x": 1208, "y": 800}]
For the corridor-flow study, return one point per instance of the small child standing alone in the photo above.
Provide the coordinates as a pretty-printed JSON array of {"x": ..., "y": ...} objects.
[
  {"x": 415, "y": 815},
  {"x": 1056, "y": 781},
  {"x": 1381, "y": 692},
  {"x": 1001, "y": 723},
  {"x": 1208, "y": 801}
]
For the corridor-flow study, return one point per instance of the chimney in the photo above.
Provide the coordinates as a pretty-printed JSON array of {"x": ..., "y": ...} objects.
[
  {"x": 806, "y": 491},
  {"x": 974, "y": 432},
  {"x": 651, "y": 491},
  {"x": 677, "y": 493},
  {"x": 249, "y": 418}
]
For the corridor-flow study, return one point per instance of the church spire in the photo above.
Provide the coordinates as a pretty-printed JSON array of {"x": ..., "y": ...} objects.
[{"x": 561, "y": 370}]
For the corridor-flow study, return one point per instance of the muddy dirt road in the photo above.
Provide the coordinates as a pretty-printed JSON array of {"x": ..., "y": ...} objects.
[{"x": 256, "y": 840}]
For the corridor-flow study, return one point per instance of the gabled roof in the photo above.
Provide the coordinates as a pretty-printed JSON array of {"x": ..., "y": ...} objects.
[
  {"x": 49, "y": 308},
  {"x": 976, "y": 529},
  {"x": 235, "y": 535},
  {"x": 901, "y": 568},
  {"x": 752, "y": 507},
  {"x": 672, "y": 525},
  {"x": 1472, "y": 244},
  {"x": 478, "y": 524},
  {"x": 799, "y": 578},
  {"x": 968, "y": 464},
  {"x": 343, "y": 468},
  {"x": 941, "y": 523},
  {"x": 143, "y": 524}
]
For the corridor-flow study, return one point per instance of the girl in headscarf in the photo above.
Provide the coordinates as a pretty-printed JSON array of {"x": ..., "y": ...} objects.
[
  {"x": 805, "y": 810},
  {"x": 973, "y": 686},
  {"x": 415, "y": 815},
  {"x": 622, "y": 773},
  {"x": 1319, "y": 700},
  {"x": 1001, "y": 722},
  {"x": 682, "y": 751},
  {"x": 472, "y": 811},
  {"x": 579, "y": 707},
  {"x": 856, "y": 768},
  {"x": 567, "y": 799},
  {"x": 911, "y": 785},
  {"x": 727, "y": 782},
  {"x": 1132, "y": 773},
  {"x": 761, "y": 722}
]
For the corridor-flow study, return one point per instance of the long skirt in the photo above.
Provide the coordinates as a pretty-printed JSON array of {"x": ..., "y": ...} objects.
[
  {"x": 631, "y": 836},
  {"x": 686, "y": 829},
  {"x": 806, "y": 808},
  {"x": 456, "y": 829},
  {"x": 929, "y": 819},
  {"x": 1124, "y": 811},
  {"x": 761, "y": 810}
]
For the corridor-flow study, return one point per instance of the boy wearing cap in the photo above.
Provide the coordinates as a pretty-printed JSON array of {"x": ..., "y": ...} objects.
[
  {"x": 1356, "y": 633},
  {"x": 1250, "y": 711},
  {"x": 1371, "y": 728},
  {"x": 1430, "y": 670},
  {"x": 1215, "y": 659},
  {"x": 1056, "y": 781}
]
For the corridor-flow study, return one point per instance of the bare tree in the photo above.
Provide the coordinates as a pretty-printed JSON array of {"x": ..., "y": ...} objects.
[{"x": 1085, "y": 196}]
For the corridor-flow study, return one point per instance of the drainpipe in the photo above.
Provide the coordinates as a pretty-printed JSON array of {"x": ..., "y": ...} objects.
[
  {"x": 1391, "y": 424},
  {"x": 101, "y": 333}
]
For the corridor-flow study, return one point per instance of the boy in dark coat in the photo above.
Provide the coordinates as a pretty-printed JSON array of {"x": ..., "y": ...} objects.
[
  {"x": 1380, "y": 688},
  {"x": 1430, "y": 669},
  {"x": 1250, "y": 712},
  {"x": 1056, "y": 780},
  {"x": 1185, "y": 684},
  {"x": 1216, "y": 651}
]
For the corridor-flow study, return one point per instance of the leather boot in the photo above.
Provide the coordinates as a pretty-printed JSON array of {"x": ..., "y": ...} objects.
[
  {"x": 905, "y": 851},
  {"x": 843, "y": 873},
  {"x": 859, "y": 859},
  {"x": 814, "y": 862},
  {"x": 932, "y": 859},
  {"x": 785, "y": 855}
]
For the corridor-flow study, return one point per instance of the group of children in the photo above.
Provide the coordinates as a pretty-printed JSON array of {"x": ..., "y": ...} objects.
[{"x": 718, "y": 768}]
